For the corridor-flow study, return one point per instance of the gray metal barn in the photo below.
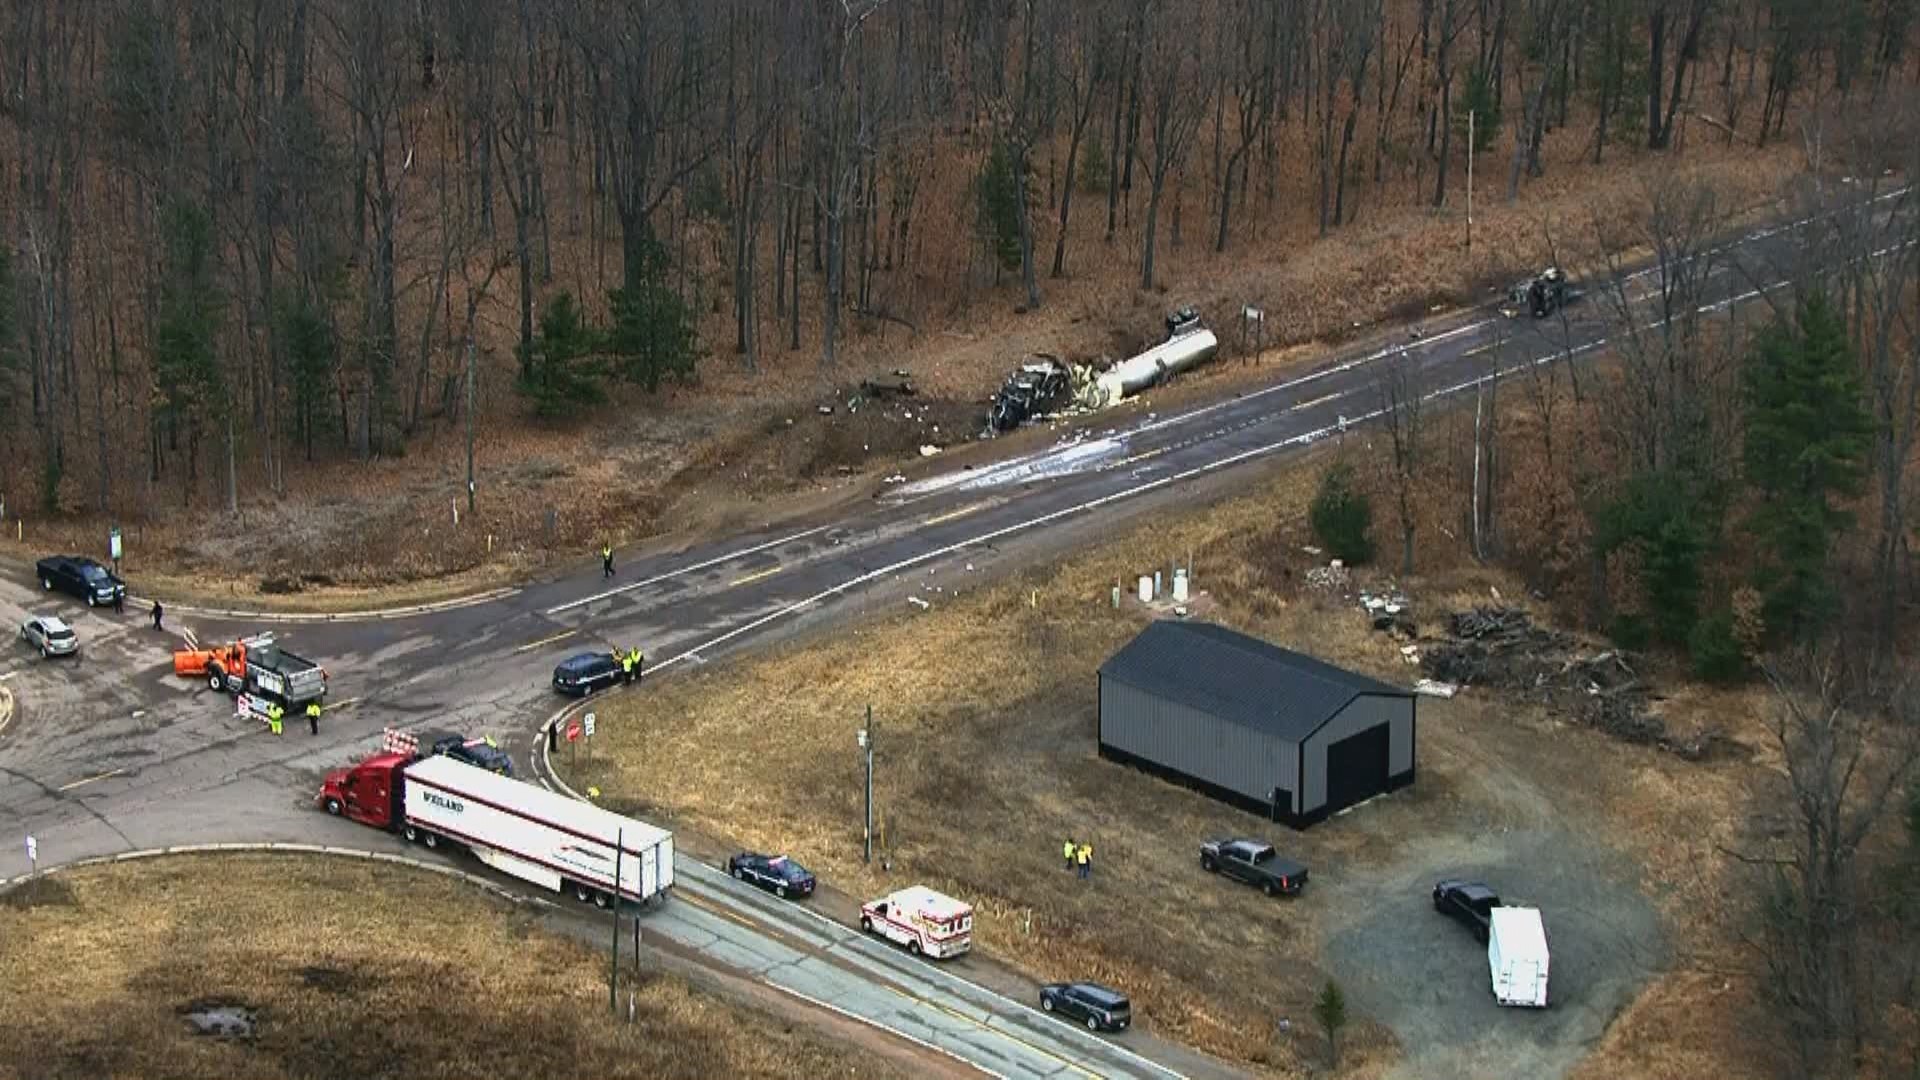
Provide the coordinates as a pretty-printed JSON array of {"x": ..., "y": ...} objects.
[{"x": 1258, "y": 726}]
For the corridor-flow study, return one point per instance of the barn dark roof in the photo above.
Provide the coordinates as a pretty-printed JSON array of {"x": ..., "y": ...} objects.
[{"x": 1238, "y": 678}]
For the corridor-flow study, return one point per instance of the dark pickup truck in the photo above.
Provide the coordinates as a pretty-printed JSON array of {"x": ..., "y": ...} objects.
[
  {"x": 1254, "y": 863},
  {"x": 1468, "y": 901}
]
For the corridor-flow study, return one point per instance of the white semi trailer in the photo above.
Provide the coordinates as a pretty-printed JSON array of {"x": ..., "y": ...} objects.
[{"x": 517, "y": 828}]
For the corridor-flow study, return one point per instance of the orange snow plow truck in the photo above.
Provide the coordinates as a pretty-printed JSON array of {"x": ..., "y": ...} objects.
[{"x": 255, "y": 665}]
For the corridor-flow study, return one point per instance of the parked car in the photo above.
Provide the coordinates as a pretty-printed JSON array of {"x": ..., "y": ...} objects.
[
  {"x": 1255, "y": 863},
  {"x": 775, "y": 873},
  {"x": 1470, "y": 902},
  {"x": 1101, "y": 1008},
  {"x": 50, "y": 635},
  {"x": 77, "y": 575},
  {"x": 586, "y": 672},
  {"x": 476, "y": 752}
]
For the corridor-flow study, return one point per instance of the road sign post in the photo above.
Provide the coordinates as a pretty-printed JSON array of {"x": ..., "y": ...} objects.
[
  {"x": 33, "y": 854},
  {"x": 113, "y": 547},
  {"x": 573, "y": 742},
  {"x": 589, "y": 731}
]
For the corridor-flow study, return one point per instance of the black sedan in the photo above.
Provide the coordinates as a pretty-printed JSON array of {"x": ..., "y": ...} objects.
[
  {"x": 775, "y": 873},
  {"x": 586, "y": 672},
  {"x": 77, "y": 575},
  {"x": 480, "y": 753},
  {"x": 1101, "y": 1008}
]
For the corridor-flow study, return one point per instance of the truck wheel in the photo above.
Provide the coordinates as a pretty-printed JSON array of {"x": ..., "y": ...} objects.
[
  {"x": 412, "y": 834},
  {"x": 1209, "y": 865},
  {"x": 866, "y": 925},
  {"x": 1046, "y": 1004},
  {"x": 602, "y": 900},
  {"x": 780, "y": 891},
  {"x": 1270, "y": 889},
  {"x": 46, "y": 584},
  {"x": 216, "y": 680},
  {"x": 91, "y": 601},
  {"x": 1093, "y": 1023},
  {"x": 739, "y": 874},
  {"x": 334, "y": 807},
  {"x": 582, "y": 893},
  {"x": 914, "y": 946},
  {"x": 432, "y": 839}
]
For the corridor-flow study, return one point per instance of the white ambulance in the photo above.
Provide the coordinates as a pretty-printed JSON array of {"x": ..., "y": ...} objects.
[{"x": 925, "y": 921}]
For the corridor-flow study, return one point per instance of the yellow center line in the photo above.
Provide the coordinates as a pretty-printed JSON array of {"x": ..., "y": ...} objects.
[
  {"x": 952, "y": 514},
  {"x": 1143, "y": 456},
  {"x": 714, "y": 909},
  {"x": 1003, "y": 1032},
  {"x": 767, "y": 573},
  {"x": 338, "y": 705},
  {"x": 546, "y": 640},
  {"x": 1316, "y": 401},
  {"x": 89, "y": 780}
]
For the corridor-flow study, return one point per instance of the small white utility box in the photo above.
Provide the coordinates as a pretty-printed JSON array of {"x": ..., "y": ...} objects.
[{"x": 1517, "y": 957}]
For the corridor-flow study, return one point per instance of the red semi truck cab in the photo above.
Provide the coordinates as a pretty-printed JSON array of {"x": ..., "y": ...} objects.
[{"x": 369, "y": 793}]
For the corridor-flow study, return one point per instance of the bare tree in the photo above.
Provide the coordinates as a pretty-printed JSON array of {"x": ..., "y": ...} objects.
[
  {"x": 1849, "y": 743},
  {"x": 1253, "y": 62},
  {"x": 1400, "y": 411},
  {"x": 1088, "y": 51},
  {"x": 1176, "y": 101}
]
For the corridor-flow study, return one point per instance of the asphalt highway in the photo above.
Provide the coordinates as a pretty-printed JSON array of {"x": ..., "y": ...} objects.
[{"x": 111, "y": 753}]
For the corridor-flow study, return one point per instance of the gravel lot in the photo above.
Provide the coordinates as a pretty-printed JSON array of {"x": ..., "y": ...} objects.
[{"x": 1425, "y": 976}]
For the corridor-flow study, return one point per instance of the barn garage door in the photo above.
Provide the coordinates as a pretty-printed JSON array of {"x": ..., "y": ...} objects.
[{"x": 1357, "y": 767}]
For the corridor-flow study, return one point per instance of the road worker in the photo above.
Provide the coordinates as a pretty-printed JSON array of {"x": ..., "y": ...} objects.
[
  {"x": 1083, "y": 858},
  {"x": 156, "y": 614},
  {"x": 606, "y": 560},
  {"x": 313, "y": 717},
  {"x": 274, "y": 715},
  {"x": 626, "y": 664},
  {"x": 639, "y": 665},
  {"x": 1066, "y": 852}
]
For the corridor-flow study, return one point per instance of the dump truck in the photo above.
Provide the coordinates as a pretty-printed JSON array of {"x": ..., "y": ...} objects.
[
  {"x": 521, "y": 829},
  {"x": 255, "y": 665}
]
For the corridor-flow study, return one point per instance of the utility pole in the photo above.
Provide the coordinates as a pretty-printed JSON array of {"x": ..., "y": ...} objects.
[
  {"x": 866, "y": 742},
  {"x": 470, "y": 367},
  {"x": 613, "y": 983},
  {"x": 1469, "y": 181}
]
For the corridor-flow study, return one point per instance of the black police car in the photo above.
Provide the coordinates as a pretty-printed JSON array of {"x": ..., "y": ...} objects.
[
  {"x": 586, "y": 672},
  {"x": 776, "y": 873},
  {"x": 476, "y": 752}
]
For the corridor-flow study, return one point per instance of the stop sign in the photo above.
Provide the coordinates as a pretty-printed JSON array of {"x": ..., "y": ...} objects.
[{"x": 573, "y": 730}]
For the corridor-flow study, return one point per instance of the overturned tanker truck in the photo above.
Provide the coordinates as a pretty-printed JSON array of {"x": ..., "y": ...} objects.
[{"x": 1046, "y": 384}]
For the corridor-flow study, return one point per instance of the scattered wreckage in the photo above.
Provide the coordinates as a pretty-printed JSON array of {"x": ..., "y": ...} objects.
[
  {"x": 1540, "y": 295},
  {"x": 1046, "y": 384}
]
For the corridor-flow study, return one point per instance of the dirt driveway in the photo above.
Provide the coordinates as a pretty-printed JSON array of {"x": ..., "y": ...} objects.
[{"x": 1424, "y": 976}]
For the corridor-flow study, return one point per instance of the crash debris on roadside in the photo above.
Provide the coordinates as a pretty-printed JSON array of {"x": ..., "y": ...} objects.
[{"x": 1045, "y": 385}]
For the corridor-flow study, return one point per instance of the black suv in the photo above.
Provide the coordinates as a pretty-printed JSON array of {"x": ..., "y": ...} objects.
[
  {"x": 586, "y": 672},
  {"x": 1254, "y": 863},
  {"x": 77, "y": 575},
  {"x": 1101, "y": 1008},
  {"x": 1468, "y": 901},
  {"x": 775, "y": 873},
  {"x": 476, "y": 752}
]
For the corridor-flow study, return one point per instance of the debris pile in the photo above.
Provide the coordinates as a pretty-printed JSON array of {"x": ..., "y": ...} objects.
[
  {"x": 1331, "y": 577},
  {"x": 1389, "y": 610},
  {"x": 1502, "y": 647}
]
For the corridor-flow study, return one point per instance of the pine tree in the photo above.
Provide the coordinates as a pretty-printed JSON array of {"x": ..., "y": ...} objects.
[
  {"x": 1330, "y": 1008},
  {"x": 1342, "y": 517},
  {"x": 561, "y": 375},
  {"x": 653, "y": 335},
  {"x": 999, "y": 208},
  {"x": 1807, "y": 438}
]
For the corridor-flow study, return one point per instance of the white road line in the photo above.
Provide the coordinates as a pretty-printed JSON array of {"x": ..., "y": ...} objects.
[
  {"x": 8, "y": 675},
  {"x": 715, "y": 561}
]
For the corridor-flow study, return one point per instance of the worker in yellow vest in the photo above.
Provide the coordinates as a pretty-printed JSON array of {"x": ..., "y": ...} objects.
[
  {"x": 1084, "y": 859},
  {"x": 313, "y": 717},
  {"x": 274, "y": 715},
  {"x": 1066, "y": 852},
  {"x": 626, "y": 664}
]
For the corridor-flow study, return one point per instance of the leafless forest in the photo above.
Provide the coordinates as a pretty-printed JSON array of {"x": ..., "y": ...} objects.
[{"x": 246, "y": 234}]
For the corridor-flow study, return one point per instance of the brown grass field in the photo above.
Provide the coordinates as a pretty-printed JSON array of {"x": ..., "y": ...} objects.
[
  {"x": 985, "y": 713},
  {"x": 355, "y": 970}
]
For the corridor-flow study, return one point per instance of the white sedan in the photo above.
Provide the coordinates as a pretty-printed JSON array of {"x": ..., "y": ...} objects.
[{"x": 51, "y": 635}]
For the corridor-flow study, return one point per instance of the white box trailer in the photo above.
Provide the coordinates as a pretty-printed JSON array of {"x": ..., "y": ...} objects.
[
  {"x": 535, "y": 834},
  {"x": 1517, "y": 957}
]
